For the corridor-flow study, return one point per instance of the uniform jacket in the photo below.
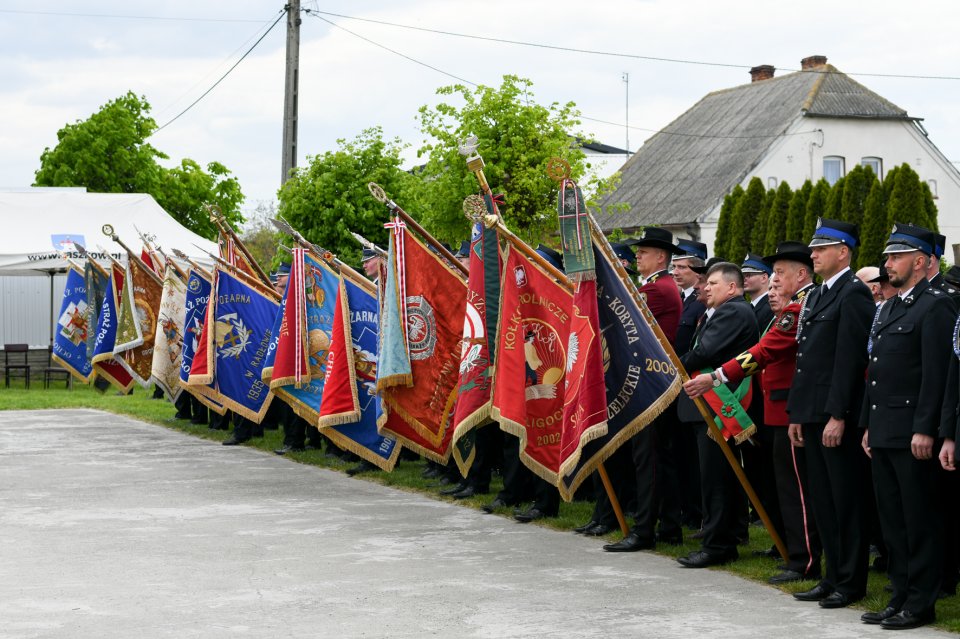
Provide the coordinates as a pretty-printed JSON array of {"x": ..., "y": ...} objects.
[
  {"x": 832, "y": 353},
  {"x": 945, "y": 286},
  {"x": 731, "y": 330},
  {"x": 763, "y": 312},
  {"x": 693, "y": 310},
  {"x": 909, "y": 360},
  {"x": 663, "y": 300},
  {"x": 774, "y": 360}
]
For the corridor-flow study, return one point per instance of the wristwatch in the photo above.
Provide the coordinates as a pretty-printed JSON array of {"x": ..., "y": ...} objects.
[{"x": 716, "y": 379}]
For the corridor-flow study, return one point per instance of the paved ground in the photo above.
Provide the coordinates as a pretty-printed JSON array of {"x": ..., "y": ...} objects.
[{"x": 116, "y": 528}]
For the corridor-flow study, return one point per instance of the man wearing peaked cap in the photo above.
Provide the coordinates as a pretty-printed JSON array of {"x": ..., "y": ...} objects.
[
  {"x": 371, "y": 260},
  {"x": 908, "y": 359},
  {"x": 824, "y": 407},
  {"x": 756, "y": 283},
  {"x": 626, "y": 256},
  {"x": 933, "y": 272},
  {"x": 550, "y": 255}
]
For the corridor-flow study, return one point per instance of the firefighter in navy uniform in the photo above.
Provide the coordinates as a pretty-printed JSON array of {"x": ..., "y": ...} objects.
[
  {"x": 824, "y": 407},
  {"x": 909, "y": 357}
]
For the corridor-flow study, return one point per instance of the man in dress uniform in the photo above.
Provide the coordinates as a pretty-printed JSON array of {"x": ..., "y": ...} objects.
[
  {"x": 908, "y": 360},
  {"x": 729, "y": 328},
  {"x": 824, "y": 406},
  {"x": 654, "y": 250},
  {"x": 773, "y": 361}
]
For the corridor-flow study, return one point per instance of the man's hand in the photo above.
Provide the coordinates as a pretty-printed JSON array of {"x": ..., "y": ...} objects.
[
  {"x": 698, "y": 385},
  {"x": 795, "y": 433},
  {"x": 922, "y": 446},
  {"x": 947, "y": 458},
  {"x": 865, "y": 445},
  {"x": 833, "y": 432}
]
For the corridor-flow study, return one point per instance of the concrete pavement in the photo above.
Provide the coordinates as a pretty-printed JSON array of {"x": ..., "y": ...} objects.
[{"x": 117, "y": 528}]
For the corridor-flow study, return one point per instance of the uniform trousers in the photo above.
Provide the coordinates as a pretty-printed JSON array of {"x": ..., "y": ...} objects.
[
  {"x": 799, "y": 529},
  {"x": 836, "y": 492},
  {"x": 619, "y": 468},
  {"x": 723, "y": 497}
]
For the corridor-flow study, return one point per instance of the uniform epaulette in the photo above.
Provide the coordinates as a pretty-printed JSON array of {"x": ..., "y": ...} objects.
[
  {"x": 933, "y": 290},
  {"x": 653, "y": 278}
]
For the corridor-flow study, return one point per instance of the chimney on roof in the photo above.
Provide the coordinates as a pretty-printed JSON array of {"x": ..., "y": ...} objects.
[
  {"x": 813, "y": 62},
  {"x": 762, "y": 72}
]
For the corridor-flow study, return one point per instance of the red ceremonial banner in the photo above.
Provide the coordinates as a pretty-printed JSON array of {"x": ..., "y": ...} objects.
[
  {"x": 532, "y": 341},
  {"x": 435, "y": 305},
  {"x": 340, "y": 404}
]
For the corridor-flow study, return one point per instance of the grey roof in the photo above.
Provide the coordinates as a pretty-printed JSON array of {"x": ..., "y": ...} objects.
[{"x": 684, "y": 170}]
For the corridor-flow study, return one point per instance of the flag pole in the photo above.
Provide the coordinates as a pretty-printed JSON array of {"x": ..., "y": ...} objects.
[
  {"x": 269, "y": 291},
  {"x": 217, "y": 217},
  {"x": 186, "y": 258},
  {"x": 107, "y": 230},
  {"x": 317, "y": 251},
  {"x": 83, "y": 253},
  {"x": 380, "y": 195},
  {"x": 601, "y": 239}
]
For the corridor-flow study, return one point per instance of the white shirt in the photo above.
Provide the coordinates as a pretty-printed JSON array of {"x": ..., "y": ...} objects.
[
  {"x": 836, "y": 277},
  {"x": 756, "y": 300}
]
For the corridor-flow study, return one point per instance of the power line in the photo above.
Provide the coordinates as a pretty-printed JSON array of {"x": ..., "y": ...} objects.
[
  {"x": 121, "y": 16},
  {"x": 235, "y": 64},
  {"x": 614, "y": 54}
]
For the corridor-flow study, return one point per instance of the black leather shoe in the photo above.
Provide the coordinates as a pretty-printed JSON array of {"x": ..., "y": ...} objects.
[
  {"x": 788, "y": 576},
  {"x": 469, "y": 491},
  {"x": 671, "y": 540},
  {"x": 585, "y": 527},
  {"x": 362, "y": 467},
  {"x": 430, "y": 472},
  {"x": 630, "y": 543},
  {"x": 289, "y": 449},
  {"x": 701, "y": 559},
  {"x": 446, "y": 492},
  {"x": 875, "y": 618},
  {"x": 493, "y": 505},
  {"x": 530, "y": 515},
  {"x": 599, "y": 530},
  {"x": 232, "y": 441},
  {"x": 818, "y": 592},
  {"x": 838, "y": 600},
  {"x": 904, "y": 620},
  {"x": 769, "y": 553}
]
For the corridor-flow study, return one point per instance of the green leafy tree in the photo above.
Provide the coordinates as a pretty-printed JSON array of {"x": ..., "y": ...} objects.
[
  {"x": 856, "y": 188},
  {"x": 816, "y": 206},
  {"x": 746, "y": 212},
  {"x": 798, "y": 211},
  {"x": 721, "y": 246},
  {"x": 874, "y": 231},
  {"x": 109, "y": 153},
  {"x": 328, "y": 198},
  {"x": 517, "y": 137},
  {"x": 261, "y": 237},
  {"x": 777, "y": 218}
]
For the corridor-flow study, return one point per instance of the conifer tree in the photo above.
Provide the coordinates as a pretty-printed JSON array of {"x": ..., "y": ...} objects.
[
  {"x": 816, "y": 207},
  {"x": 874, "y": 230},
  {"x": 726, "y": 221},
  {"x": 856, "y": 187},
  {"x": 746, "y": 212},
  {"x": 777, "y": 219},
  {"x": 906, "y": 205},
  {"x": 835, "y": 200},
  {"x": 931, "y": 208},
  {"x": 758, "y": 234},
  {"x": 798, "y": 211}
]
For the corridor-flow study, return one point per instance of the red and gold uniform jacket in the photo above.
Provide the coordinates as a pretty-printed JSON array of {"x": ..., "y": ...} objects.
[{"x": 774, "y": 357}]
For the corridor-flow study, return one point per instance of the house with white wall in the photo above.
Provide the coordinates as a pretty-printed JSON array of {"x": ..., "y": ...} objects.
[{"x": 811, "y": 124}]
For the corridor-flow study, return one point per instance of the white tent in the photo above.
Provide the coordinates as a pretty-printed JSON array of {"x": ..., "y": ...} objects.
[{"x": 40, "y": 224}]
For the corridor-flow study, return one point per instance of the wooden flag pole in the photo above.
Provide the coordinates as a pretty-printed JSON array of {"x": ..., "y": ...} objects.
[
  {"x": 83, "y": 253},
  {"x": 600, "y": 238},
  {"x": 269, "y": 291},
  {"x": 108, "y": 231},
  {"x": 319, "y": 252},
  {"x": 183, "y": 256},
  {"x": 216, "y": 216},
  {"x": 380, "y": 195}
]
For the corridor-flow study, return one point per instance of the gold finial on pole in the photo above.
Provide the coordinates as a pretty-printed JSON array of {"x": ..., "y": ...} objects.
[{"x": 558, "y": 169}]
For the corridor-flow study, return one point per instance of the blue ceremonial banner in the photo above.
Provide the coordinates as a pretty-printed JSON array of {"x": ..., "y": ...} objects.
[
  {"x": 70, "y": 342},
  {"x": 96, "y": 282},
  {"x": 394, "y": 366},
  {"x": 243, "y": 327},
  {"x": 103, "y": 361},
  {"x": 320, "y": 284},
  {"x": 195, "y": 310},
  {"x": 641, "y": 382},
  {"x": 358, "y": 312}
]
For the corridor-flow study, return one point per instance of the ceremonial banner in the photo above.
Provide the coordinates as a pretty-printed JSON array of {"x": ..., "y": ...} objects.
[
  {"x": 73, "y": 328},
  {"x": 534, "y": 334},
  {"x": 195, "y": 314},
  {"x": 434, "y": 298},
  {"x": 103, "y": 361},
  {"x": 641, "y": 382},
  {"x": 138, "y": 321},
  {"x": 350, "y": 404},
  {"x": 241, "y": 319},
  {"x": 299, "y": 365},
  {"x": 96, "y": 282},
  {"x": 479, "y": 334},
  {"x": 168, "y": 341},
  {"x": 394, "y": 363}
]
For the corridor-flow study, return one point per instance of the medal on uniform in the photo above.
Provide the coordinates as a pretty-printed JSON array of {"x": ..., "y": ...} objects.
[{"x": 873, "y": 327}]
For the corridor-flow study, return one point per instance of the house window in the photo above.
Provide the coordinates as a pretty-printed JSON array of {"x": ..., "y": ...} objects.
[
  {"x": 874, "y": 163},
  {"x": 771, "y": 182},
  {"x": 933, "y": 188},
  {"x": 833, "y": 168}
]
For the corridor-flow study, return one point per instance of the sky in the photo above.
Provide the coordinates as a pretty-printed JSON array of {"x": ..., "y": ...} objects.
[{"x": 58, "y": 67}]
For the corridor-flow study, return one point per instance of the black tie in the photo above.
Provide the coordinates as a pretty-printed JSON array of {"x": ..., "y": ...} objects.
[
  {"x": 892, "y": 304},
  {"x": 823, "y": 290},
  {"x": 683, "y": 296}
]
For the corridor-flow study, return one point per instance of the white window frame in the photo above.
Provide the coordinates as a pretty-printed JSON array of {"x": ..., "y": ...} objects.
[
  {"x": 933, "y": 188},
  {"x": 841, "y": 161},
  {"x": 875, "y": 163}
]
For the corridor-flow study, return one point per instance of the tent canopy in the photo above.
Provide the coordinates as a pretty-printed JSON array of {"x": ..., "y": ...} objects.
[{"x": 41, "y": 223}]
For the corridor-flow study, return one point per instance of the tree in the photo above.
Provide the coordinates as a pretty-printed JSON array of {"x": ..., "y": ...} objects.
[
  {"x": 261, "y": 237},
  {"x": 758, "y": 234},
  {"x": 747, "y": 211},
  {"x": 834, "y": 204},
  {"x": 930, "y": 207},
  {"x": 875, "y": 230},
  {"x": 905, "y": 204},
  {"x": 328, "y": 198},
  {"x": 777, "y": 219},
  {"x": 816, "y": 206},
  {"x": 517, "y": 137},
  {"x": 109, "y": 153},
  {"x": 798, "y": 211},
  {"x": 721, "y": 246},
  {"x": 856, "y": 188}
]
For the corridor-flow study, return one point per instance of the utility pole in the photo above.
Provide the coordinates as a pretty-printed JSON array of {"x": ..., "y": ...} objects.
[
  {"x": 291, "y": 90},
  {"x": 626, "y": 80}
]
